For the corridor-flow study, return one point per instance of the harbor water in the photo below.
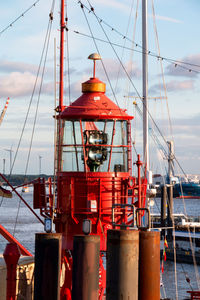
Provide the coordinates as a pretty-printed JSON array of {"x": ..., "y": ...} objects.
[{"x": 17, "y": 219}]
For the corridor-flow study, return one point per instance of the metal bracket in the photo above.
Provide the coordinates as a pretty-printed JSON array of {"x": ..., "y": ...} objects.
[
  {"x": 138, "y": 210},
  {"x": 123, "y": 225}
]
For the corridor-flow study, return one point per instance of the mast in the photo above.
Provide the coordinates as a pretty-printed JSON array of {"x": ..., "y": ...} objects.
[
  {"x": 145, "y": 85},
  {"x": 61, "y": 83},
  {"x": 170, "y": 162},
  {"x": 62, "y": 28}
]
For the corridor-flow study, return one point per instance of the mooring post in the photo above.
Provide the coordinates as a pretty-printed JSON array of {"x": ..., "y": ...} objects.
[
  {"x": 170, "y": 211},
  {"x": 149, "y": 265},
  {"x": 47, "y": 266},
  {"x": 11, "y": 256},
  {"x": 163, "y": 216},
  {"x": 85, "y": 273},
  {"x": 122, "y": 264}
]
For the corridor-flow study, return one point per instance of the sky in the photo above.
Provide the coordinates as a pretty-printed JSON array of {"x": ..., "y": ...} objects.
[{"x": 174, "y": 24}]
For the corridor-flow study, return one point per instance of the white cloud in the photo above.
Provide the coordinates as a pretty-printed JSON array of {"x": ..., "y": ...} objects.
[
  {"x": 16, "y": 84},
  {"x": 180, "y": 85},
  {"x": 174, "y": 86},
  {"x": 168, "y": 19},
  {"x": 185, "y": 70},
  {"x": 114, "y": 69},
  {"x": 15, "y": 66}
]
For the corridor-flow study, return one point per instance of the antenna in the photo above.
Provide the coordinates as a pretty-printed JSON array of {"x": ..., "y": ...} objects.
[{"x": 94, "y": 57}]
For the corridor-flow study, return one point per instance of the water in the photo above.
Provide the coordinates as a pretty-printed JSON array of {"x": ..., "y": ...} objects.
[
  {"x": 27, "y": 225},
  {"x": 189, "y": 207}
]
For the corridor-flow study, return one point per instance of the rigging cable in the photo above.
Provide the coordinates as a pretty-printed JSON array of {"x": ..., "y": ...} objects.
[
  {"x": 132, "y": 52},
  {"x": 161, "y": 65},
  {"x": 46, "y": 45},
  {"x": 171, "y": 61},
  {"x": 68, "y": 55},
  {"x": 122, "y": 54},
  {"x": 21, "y": 16},
  {"x": 177, "y": 63},
  {"x": 82, "y": 7},
  {"x": 137, "y": 92}
]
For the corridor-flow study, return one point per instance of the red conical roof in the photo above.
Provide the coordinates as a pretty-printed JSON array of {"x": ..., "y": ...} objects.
[{"x": 94, "y": 104}]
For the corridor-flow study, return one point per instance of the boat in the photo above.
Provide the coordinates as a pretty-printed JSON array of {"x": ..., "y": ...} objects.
[
  {"x": 5, "y": 193},
  {"x": 187, "y": 190},
  {"x": 183, "y": 187},
  {"x": 25, "y": 189}
]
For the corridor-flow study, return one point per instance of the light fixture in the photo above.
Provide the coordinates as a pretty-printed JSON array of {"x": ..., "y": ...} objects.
[
  {"x": 87, "y": 226},
  {"x": 48, "y": 225},
  {"x": 95, "y": 153}
]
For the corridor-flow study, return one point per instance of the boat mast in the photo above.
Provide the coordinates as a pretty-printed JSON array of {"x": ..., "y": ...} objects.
[
  {"x": 145, "y": 85},
  {"x": 61, "y": 83},
  {"x": 62, "y": 30}
]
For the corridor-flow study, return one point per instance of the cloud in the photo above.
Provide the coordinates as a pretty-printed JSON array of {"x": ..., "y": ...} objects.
[
  {"x": 185, "y": 70},
  {"x": 114, "y": 69},
  {"x": 174, "y": 86},
  {"x": 20, "y": 84},
  {"x": 16, "y": 84},
  {"x": 168, "y": 19},
  {"x": 14, "y": 66}
]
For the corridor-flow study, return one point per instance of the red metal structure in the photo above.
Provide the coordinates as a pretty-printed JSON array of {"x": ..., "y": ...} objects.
[
  {"x": 94, "y": 170},
  {"x": 11, "y": 256}
]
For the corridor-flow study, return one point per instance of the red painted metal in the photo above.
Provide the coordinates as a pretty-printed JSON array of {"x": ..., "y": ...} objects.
[
  {"x": 6, "y": 234},
  {"x": 11, "y": 256},
  {"x": 90, "y": 194},
  {"x": 94, "y": 105},
  {"x": 62, "y": 31},
  {"x": 194, "y": 295},
  {"x": 39, "y": 195}
]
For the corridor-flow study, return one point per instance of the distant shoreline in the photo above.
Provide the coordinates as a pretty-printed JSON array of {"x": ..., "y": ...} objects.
[{"x": 18, "y": 179}]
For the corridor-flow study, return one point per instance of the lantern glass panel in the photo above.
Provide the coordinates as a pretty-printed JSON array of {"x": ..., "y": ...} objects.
[{"x": 108, "y": 136}]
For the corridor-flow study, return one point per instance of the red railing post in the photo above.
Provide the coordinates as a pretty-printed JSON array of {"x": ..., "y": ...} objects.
[
  {"x": 139, "y": 164},
  {"x": 11, "y": 256}
]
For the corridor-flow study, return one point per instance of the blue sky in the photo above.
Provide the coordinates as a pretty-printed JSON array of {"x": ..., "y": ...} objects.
[{"x": 178, "y": 29}]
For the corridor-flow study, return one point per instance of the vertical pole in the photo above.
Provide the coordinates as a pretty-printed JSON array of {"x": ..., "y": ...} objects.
[
  {"x": 139, "y": 164},
  {"x": 61, "y": 85},
  {"x": 149, "y": 266},
  {"x": 145, "y": 84},
  {"x": 40, "y": 164},
  {"x": 11, "y": 256},
  {"x": 47, "y": 266},
  {"x": 170, "y": 210},
  {"x": 163, "y": 207},
  {"x": 129, "y": 148},
  {"x": 122, "y": 264},
  {"x": 62, "y": 28},
  {"x": 4, "y": 166},
  {"x": 85, "y": 273}
]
